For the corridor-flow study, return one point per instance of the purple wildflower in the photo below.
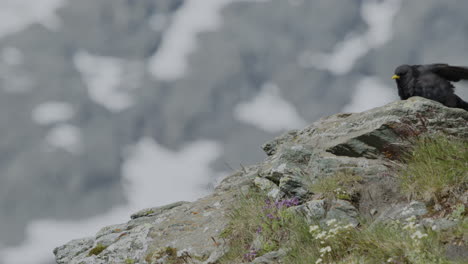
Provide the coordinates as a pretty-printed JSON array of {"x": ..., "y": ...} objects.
[
  {"x": 278, "y": 204},
  {"x": 259, "y": 230},
  {"x": 294, "y": 201},
  {"x": 250, "y": 255},
  {"x": 286, "y": 203}
]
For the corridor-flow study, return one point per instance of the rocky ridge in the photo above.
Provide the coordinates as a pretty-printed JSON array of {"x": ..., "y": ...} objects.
[{"x": 364, "y": 144}]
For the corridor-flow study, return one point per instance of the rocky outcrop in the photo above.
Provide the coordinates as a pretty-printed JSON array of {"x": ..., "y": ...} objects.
[{"x": 363, "y": 144}]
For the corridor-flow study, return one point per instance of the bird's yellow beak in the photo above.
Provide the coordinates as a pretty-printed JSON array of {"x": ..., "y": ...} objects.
[{"x": 394, "y": 77}]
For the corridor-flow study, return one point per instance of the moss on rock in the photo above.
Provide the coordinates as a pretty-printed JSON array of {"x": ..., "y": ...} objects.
[{"x": 97, "y": 249}]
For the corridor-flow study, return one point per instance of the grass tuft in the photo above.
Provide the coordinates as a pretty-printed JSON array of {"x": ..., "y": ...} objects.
[
  {"x": 435, "y": 168},
  {"x": 342, "y": 185},
  {"x": 258, "y": 225},
  {"x": 97, "y": 250}
]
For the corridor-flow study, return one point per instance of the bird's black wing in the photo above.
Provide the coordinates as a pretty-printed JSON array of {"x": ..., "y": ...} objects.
[{"x": 450, "y": 73}]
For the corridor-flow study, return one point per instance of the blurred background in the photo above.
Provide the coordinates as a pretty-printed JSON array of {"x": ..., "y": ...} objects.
[{"x": 111, "y": 106}]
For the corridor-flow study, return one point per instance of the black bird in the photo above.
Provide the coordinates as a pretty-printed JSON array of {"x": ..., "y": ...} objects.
[{"x": 431, "y": 81}]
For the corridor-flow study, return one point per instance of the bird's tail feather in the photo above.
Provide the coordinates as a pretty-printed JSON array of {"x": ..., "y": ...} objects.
[{"x": 461, "y": 104}]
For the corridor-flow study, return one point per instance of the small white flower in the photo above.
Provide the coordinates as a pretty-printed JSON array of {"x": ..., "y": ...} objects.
[
  {"x": 331, "y": 222},
  {"x": 319, "y": 261},
  {"x": 325, "y": 249},
  {"x": 389, "y": 260},
  {"x": 321, "y": 235},
  {"x": 418, "y": 235},
  {"x": 313, "y": 228},
  {"x": 434, "y": 227},
  {"x": 411, "y": 219},
  {"x": 410, "y": 226}
]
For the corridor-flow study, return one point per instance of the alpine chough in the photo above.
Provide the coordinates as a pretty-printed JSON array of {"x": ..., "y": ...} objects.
[{"x": 431, "y": 81}]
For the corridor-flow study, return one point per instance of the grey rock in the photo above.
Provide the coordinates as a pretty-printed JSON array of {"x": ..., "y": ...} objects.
[
  {"x": 343, "y": 212},
  {"x": 401, "y": 211},
  {"x": 404, "y": 118},
  {"x": 264, "y": 184},
  {"x": 272, "y": 190},
  {"x": 216, "y": 255},
  {"x": 66, "y": 253},
  {"x": 271, "y": 147},
  {"x": 110, "y": 230},
  {"x": 313, "y": 211},
  {"x": 191, "y": 229},
  {"x": 273, "y": 257},
  {"x": 293, "y": 186},
  {"x": 438, "y": 224},
  {"x": 156, "y": 210},
  {"x": 299, "y": 155},
  {"x": 238, "y": 180},
  {"x": 275, "y": 194},
  {"x": 456, "y": 252}
]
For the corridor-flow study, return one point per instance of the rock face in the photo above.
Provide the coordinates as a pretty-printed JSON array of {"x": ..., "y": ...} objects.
[{"x": 362, "y": 143}]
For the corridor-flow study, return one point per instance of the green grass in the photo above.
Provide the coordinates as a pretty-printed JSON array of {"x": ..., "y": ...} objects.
[
  {"x": 435, "y": 168},
  {"x": 97, "y": 250},
  {"x": 129, "y": 261},
  {"x": 370, "y": 243},
  {"x": 340, "y": 186},
  {"x": 241, "y": 230},
  {"x": 254, "y": 218}
]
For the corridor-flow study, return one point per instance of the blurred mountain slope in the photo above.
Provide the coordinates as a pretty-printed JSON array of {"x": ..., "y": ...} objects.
[{"x": 258, "y": 43}]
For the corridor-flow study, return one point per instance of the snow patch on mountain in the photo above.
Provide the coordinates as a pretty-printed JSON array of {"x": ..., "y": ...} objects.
[
  {"x": 379, "y": 16},
  {"x": 109, "y": 80},
  {"x": 52, "y": 112},
  {"x": 370, "y": 92},
  {"x": 16, "y": 15},
  {"x": 155, "y": 175},
  {"x": 170, "y": 60},
  {"x": 65, "y": 137},
  {"x": 268, "y": 111}
]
